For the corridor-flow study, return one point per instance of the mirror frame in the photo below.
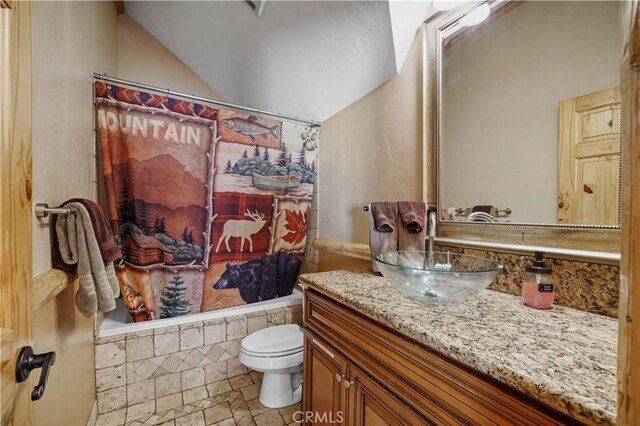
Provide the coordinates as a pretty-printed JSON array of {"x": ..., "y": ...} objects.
[{"x": 600, "y": 243}]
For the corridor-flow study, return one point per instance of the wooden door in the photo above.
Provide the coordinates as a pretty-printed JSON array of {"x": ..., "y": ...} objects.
[
  {"x": 323, "y": 395},
  {"x": 589, "y": 137},
  {"x": 371, "y": 404},
  {"x": 15, "y": 205}
]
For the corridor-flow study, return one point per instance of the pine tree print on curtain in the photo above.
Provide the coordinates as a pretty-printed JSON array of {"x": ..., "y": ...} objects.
[{"x": 172, "y": 303}]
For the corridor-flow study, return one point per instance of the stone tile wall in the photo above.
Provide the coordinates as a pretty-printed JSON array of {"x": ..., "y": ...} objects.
[{"x": 138, "y": 374}]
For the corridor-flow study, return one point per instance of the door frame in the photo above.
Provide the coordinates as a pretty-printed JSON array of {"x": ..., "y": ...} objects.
[{"x": 16, "y": 274}]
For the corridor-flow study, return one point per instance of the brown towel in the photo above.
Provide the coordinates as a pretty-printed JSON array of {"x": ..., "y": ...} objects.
[
  {"x": 413, "y": 232},
  {"x": 78, "y": 246},
  {"x": 109, "y": 250},
  {"x": 384, "y": 216},
  {"x": 383, "y": 227},
  {"x": 413, "y": 215}
]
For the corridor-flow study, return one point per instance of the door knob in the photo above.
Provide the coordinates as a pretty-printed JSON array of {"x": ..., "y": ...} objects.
[{"x": 28, "y": 361}]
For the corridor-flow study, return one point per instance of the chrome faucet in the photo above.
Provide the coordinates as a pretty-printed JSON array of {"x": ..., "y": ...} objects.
[{"x": 432, "y": 231}]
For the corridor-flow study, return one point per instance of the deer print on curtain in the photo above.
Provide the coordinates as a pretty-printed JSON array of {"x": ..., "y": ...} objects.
[
  {"x": 211, "y": 207},
  {"x": 242, "y": 229}
]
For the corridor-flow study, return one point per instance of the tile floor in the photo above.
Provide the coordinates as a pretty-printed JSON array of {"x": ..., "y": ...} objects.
[{"x": 230, "y": 402}]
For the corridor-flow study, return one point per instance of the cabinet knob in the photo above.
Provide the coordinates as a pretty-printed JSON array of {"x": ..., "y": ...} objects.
[
  {"x": 339, "y": 377},
  {"x": 349, "y": 383}
]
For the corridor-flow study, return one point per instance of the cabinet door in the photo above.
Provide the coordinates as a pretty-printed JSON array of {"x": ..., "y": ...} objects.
[
  {"x": 324, "y": 396},
  {"x": 371, "y": 404}
]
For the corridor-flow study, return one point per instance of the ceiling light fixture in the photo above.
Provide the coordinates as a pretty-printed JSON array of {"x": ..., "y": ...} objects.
[
  {"x": 476, "y": 16},
  {"x": 444, "y": 5}
]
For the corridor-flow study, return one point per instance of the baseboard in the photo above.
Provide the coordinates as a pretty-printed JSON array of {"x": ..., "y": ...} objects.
[{"x": 93, "y": 417}]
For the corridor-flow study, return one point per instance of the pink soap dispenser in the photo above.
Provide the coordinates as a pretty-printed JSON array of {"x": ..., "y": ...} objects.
[{"x": 538, "y": 290}]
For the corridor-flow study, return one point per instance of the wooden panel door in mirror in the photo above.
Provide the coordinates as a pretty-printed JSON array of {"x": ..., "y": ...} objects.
[{"x": 589, "y": 158}]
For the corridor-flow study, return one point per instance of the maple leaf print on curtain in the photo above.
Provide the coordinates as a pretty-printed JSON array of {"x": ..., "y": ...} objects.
[
  {"x": 297, "y": 225},
  {"x": 291, "y": 224}
]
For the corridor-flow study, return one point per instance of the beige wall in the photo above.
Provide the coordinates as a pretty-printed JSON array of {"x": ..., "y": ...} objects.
[
  {"x": 143, "y": 58},
  {"x": 371, "y": 151},
  {"x": 501, "y": 92},
  {"x": 71, "y": 40}
]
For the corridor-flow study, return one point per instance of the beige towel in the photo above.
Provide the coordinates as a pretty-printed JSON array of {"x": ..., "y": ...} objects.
[
  {"x": 78, "y": 245},
  {"x": 383, "y": 227},
  {"x": 412, "y": 232}
]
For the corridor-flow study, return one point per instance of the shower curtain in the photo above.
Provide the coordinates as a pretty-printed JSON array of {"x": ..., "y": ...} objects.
[{"x": 210, "y": 206}]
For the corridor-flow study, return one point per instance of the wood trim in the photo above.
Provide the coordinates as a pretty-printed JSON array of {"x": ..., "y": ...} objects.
[
  {"x": 15, "y": 203},
  {"x": 629, "y": 308},
  {"x": 120, "y": 8},
  {"x": 344, "y": 248},
  {"x": 362, "y": 251},
  {"x": 6, "y": 4},
  {"x": 48, "y": 285},
  {"x": 604, "y": 240},
  {"x": 591, "y": 239},
  {"x": 436, "y": 386}
]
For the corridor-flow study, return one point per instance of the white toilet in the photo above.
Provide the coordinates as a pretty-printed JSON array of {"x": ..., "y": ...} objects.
[{"x": 276, "y": 352}]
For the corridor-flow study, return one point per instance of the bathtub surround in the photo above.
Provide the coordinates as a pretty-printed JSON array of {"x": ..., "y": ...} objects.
[
  {"x": 152, "y": 371},
  {"x": 585, "y": 286}
]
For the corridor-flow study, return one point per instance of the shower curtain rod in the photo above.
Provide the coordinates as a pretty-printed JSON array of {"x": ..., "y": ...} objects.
[{"x": 105, "y": 77}]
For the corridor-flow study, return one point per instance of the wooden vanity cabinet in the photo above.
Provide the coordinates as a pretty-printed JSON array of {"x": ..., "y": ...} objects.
[
  {"x": 325, "y": 368},
  {"x": 358, "y": 372}
]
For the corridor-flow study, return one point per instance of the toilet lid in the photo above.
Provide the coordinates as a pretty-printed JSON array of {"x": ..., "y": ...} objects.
[{"x": 280, "y": 340}]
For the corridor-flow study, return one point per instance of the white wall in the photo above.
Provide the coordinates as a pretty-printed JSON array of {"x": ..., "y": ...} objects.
[{"x": 501, "y": 92}]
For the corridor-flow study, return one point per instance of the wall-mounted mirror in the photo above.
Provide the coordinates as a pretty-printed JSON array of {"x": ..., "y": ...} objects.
[{"x": 529, "y": 113}]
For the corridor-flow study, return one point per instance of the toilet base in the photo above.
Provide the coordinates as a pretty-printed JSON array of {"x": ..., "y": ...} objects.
[{"x": 281, "y": 389}]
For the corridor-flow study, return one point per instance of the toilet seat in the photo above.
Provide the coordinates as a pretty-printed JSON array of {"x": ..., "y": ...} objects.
[{"x": 272, "y": 342}]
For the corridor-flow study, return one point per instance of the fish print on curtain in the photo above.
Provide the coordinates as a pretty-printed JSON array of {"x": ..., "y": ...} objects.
[{"x": 211, "y": 207}]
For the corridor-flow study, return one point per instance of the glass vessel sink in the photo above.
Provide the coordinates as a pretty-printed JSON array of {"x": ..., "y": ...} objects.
[{"x": 437, "y": 277}]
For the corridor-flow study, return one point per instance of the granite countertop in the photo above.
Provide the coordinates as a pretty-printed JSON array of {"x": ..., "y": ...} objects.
[{"x": 562, "y": 357}]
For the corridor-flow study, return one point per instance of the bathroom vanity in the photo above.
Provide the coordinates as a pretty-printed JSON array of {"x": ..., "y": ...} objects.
[{"x": 374, "y": 356}]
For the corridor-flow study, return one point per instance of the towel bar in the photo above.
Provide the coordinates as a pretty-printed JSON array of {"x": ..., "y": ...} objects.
[{"x": 43, "y": 210}]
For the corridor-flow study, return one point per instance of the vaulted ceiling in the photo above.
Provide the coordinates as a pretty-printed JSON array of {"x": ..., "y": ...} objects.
[{"x": 308, "y": 59}]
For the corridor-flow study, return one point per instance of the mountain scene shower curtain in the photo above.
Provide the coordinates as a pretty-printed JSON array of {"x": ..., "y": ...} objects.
[{"x": 210, "y": 206}]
